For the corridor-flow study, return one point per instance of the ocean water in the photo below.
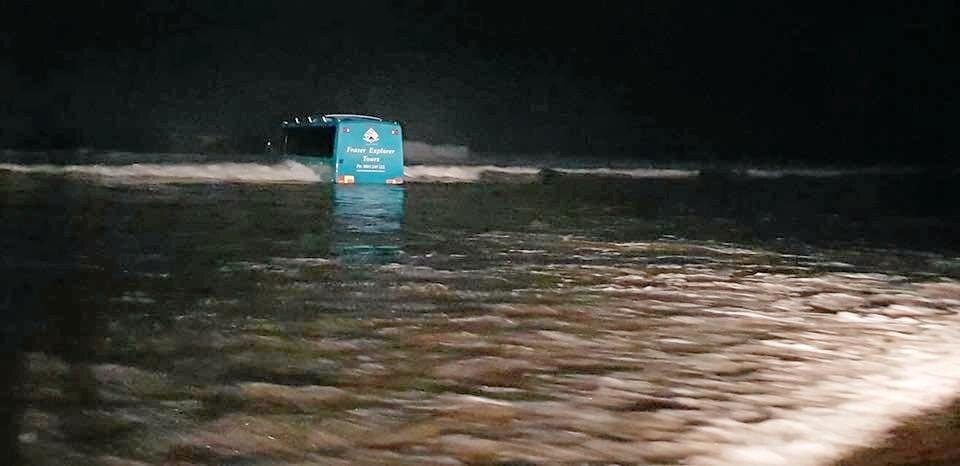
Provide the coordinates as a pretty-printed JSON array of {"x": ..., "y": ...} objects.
[{"x": 214, "y": 312}]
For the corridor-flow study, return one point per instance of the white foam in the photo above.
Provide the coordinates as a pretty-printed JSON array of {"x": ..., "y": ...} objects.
[
  {"x": 916, "y": 379},
  {"x": 473, "y": 173},
  {"x": 287, "y": 171},
  {"x": 633, "y": 172},
  {"x": 460, "y": 173},
  {"x": 447, "y": 164}
]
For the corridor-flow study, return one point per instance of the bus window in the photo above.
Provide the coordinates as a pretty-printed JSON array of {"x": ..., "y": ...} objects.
[{"x": 309, "y": 141}]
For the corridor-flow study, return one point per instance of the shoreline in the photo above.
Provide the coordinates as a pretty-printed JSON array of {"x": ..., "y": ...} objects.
[{"x": 931, "y": 438}]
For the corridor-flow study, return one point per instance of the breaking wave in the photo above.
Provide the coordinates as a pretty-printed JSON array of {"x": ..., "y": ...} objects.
[
  {"x": 295, "y": 172},
  {"x": 461, "y": 173},
  {"x": 425, "y": 163},
  {"x": 290, "y": 171},
  {"x": 471, "y": 173},
  {"x": 284, "y": 172}
]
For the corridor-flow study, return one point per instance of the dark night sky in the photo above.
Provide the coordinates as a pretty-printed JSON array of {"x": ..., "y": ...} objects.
[{"x": 855, "y": 83}]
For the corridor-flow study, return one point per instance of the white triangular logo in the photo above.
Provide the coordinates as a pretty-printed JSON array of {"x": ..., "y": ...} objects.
[{"x": 371, "y": 136}]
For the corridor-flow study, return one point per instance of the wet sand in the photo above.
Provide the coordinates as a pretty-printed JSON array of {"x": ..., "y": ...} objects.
[{"x": 931, "y": 439}]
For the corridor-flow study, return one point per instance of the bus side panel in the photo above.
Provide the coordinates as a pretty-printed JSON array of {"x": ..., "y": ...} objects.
[{"x": 369, "y": 152}]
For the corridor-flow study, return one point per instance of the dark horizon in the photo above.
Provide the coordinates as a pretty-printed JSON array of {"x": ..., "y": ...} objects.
[{"x": 855, "y": 84}]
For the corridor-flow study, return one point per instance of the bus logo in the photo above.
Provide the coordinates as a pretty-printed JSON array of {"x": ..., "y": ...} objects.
[{"x": 371, "y": 136}]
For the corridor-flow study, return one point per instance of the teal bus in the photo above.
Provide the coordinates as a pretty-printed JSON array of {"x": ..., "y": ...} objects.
[{"x": 346, "y": 148}]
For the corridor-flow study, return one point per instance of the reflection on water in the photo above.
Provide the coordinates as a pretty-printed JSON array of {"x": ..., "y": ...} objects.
[
  {"x": 367, "y": 221},
  {"x": 576, "y": 322}
]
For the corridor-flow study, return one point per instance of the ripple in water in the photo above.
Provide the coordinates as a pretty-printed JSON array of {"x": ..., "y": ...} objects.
[{"x": 736, "y": 357}]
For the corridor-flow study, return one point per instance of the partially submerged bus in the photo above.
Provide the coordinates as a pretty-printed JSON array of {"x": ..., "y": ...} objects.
[{"x": 356, "y": 148}]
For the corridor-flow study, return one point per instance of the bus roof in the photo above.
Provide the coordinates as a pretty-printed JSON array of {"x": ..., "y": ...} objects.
[{"x": 329, "y": 119}]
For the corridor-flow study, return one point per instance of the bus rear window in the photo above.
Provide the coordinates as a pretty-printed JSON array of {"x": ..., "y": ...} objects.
[{"x": 309, "y": 141}]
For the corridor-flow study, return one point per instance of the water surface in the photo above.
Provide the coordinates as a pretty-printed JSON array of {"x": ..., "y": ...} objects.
[{"x": 256, "y": 317}]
